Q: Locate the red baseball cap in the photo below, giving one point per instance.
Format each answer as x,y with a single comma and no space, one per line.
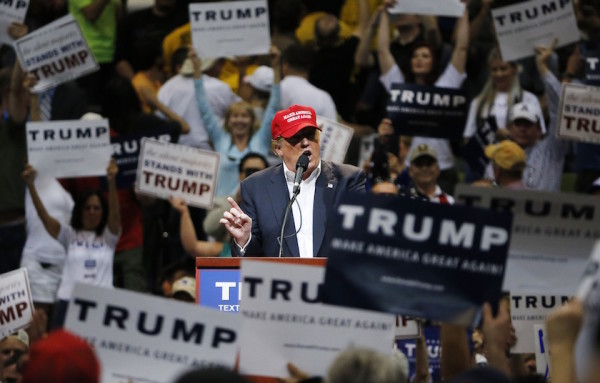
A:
290,121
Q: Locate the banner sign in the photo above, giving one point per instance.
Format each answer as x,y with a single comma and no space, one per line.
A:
404,256
126,151
453,8
73,148
523,26
283,320
528,310
592,66
407,328
579,113
232,28
11,11
56,53
166,169
552,234
219,289
142,338
434,351
16,304
419,110
335,139
588,292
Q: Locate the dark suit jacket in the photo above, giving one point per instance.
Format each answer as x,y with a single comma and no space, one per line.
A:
265,196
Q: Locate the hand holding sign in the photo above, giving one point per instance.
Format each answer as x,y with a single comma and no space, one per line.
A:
17,30
542,56
112,170
29,174
237,223
563,325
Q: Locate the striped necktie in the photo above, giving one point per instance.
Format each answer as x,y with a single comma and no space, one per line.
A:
46,104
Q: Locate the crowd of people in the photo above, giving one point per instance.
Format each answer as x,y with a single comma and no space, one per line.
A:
335,59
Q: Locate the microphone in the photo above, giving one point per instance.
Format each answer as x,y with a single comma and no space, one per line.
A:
301,167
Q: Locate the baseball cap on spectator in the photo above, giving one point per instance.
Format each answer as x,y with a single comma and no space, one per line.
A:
261,78
507,154
523,111
185,285
20,335
595,188
62,357
290,121
423,150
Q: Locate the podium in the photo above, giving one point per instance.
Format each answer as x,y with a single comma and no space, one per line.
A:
218,285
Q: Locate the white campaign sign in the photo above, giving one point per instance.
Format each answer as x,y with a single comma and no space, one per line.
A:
11,11
335,139
453,8
523,26
75,148
406,328
579,113
528,310
16,304
142,338
231,28
166,169
552,235
283,321
56,53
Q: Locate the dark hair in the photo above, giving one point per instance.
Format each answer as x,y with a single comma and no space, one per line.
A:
178,58
120,104
211,375
433,75
249,156
149,54
298,57
78,209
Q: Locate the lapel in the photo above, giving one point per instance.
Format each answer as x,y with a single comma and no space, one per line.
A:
279,197
325,189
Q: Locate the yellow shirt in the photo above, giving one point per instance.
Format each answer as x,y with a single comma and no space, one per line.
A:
139,81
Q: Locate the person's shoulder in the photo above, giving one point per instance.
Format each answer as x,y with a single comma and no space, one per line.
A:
259,178
344,170
215,83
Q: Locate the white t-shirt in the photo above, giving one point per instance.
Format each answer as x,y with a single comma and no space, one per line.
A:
40,246
449,79
499,110
296,90
179,94
89,259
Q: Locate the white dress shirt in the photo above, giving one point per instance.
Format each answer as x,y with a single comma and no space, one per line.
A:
302,209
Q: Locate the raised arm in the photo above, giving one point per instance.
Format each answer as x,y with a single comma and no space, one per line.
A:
18,96
264,132
362,56
50,223
187,233
151,99
562,327
454,337
386,59
211,122
422,360
114,210
461,46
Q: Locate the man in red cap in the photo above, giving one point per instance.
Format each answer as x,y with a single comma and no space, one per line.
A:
255,225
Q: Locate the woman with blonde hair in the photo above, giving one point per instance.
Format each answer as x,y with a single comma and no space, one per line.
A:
241,132
488,113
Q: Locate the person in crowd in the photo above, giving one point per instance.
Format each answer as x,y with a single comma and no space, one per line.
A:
184,289
184,267
365,365
545,152
255,226
384,188
43,256
296,63
333,59
90,240
178,94
12,347
98,22
488,113
508,163
422,71
249,164
424,172
141,33
239,134
62,357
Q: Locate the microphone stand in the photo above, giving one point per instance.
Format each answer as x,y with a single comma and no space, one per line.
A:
287,212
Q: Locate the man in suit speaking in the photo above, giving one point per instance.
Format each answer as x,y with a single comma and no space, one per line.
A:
313,186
